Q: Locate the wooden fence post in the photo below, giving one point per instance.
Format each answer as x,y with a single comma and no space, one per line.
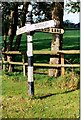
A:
9,65
3,65
55,59
24,67
62,63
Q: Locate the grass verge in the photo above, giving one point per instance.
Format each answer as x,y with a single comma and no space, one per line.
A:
54,97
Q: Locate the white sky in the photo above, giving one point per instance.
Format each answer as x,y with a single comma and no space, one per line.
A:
73,17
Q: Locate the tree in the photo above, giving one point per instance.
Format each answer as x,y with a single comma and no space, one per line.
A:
5,22
21,24
73,6
13,19
11,11
57,14
10,22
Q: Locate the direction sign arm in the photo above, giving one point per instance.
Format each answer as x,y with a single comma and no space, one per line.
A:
32,27
43,25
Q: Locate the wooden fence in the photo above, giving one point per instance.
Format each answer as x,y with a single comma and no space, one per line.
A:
43,65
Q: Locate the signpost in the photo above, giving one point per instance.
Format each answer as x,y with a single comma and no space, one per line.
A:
32,27
27,29
53,30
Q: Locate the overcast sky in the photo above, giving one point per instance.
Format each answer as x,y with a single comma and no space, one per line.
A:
73,17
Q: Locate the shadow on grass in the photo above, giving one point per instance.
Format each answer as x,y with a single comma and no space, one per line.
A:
51,94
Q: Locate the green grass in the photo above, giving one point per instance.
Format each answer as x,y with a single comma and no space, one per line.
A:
71,40
42,41
54,98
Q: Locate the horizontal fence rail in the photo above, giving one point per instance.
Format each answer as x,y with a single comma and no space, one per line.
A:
13,53
43,65
44,52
